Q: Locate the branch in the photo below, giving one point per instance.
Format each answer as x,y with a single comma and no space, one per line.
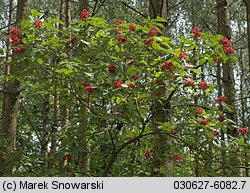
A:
100,6
125,4
177,4
207,26
93,13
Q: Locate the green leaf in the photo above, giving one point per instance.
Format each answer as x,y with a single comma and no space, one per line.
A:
241,140
210,60
55,20
65,71
202,61
196,71
156,46
40,61
160,19
35,13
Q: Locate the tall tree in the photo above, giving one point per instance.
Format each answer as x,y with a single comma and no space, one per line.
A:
161,108
224,28
247,4
11,98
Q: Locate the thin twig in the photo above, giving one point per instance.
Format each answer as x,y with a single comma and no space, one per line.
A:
125,4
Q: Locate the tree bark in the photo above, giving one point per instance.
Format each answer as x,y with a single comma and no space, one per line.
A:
83,4
11,98
247,4
84,155
224,28
160,109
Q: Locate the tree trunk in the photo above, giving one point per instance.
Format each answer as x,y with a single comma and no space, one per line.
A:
160,109
11,98
247,4
84,155
56,106
224,29
83,4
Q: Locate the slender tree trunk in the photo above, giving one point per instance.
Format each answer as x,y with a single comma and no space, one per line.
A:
161,109
11,98
56,106
83,4
224,28
45,132
84,156
247,4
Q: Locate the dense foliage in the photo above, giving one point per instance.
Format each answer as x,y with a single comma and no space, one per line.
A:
108,77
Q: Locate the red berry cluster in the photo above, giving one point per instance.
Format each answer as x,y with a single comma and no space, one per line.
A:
117,84
203,85
167,66
120,38
148,154
14,33
227,46
153,31
38,24
196,32
132,27
84,14
221,99
243,131
198,110
183,55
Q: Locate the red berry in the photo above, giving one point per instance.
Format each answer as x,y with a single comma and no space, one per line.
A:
135,77
148,42
148,154
189,82
221,118
183,55
228,50
38,24
118,22
89,88
203,85
198,110
132,27
19,50
243,131
215,132
120,38
225,42
167,66
204,122
131,84
196,32
153,31
84,14
118,84
221,99
111,68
